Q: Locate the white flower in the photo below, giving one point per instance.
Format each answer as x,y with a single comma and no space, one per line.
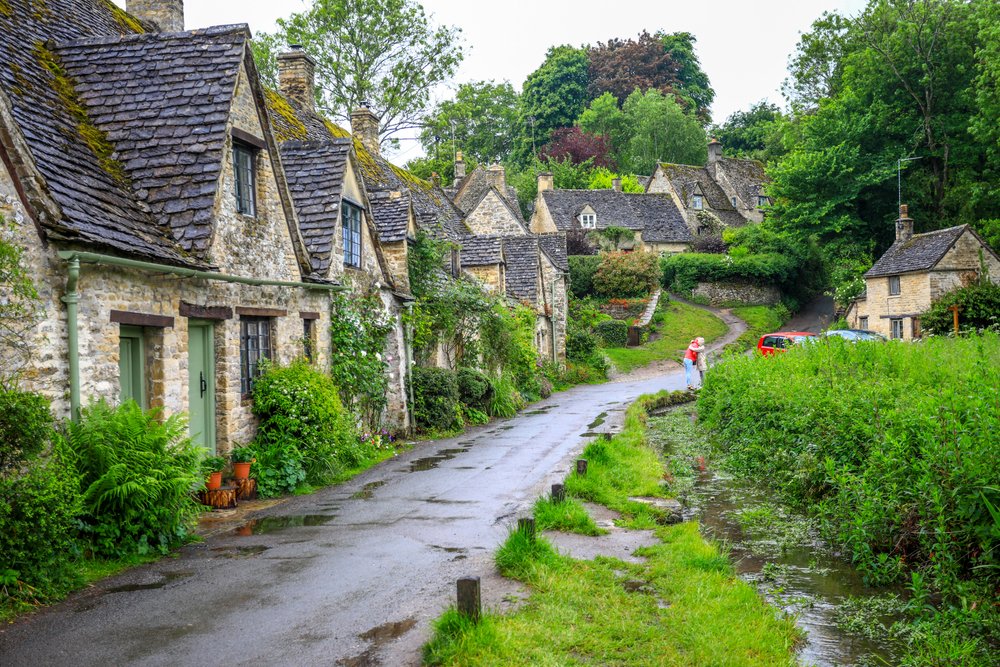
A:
364,353
378,356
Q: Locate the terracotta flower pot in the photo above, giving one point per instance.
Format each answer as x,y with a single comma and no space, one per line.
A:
241,470
214,481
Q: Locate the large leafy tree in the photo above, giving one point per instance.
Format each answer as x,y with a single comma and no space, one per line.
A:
694,87
816,67
660,131
385,53
481,119
755,133
578,146
619,66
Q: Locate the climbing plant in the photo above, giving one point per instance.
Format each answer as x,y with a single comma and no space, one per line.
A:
20,307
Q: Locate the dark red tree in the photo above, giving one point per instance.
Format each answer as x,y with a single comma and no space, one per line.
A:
619,66
579,146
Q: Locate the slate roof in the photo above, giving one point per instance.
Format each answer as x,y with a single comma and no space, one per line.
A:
554,246
747,177
481,250
921,253
473,188
315,172
655,215
392,216
520,255
686,179
86,176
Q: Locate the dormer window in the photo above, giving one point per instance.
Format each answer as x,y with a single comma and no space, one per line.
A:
244,166
351,225
697,202
588,220
733,200
761,201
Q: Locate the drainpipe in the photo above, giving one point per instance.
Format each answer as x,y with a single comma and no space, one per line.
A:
72,301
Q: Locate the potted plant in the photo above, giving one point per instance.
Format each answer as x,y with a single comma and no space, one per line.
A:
213,466
241,458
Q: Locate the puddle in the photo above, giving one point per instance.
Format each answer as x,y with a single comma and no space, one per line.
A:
167,578
367,492
539,411
273,524
240,552
443,501
431,462
379,637
589,434
450,550
598,421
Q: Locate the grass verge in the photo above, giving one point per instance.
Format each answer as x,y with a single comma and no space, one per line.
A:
760,320
682,606
680,323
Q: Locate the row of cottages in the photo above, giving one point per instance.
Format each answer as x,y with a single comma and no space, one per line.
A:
680,203
916,271
175,239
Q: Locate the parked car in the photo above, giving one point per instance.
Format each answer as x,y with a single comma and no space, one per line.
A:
781,340
854,334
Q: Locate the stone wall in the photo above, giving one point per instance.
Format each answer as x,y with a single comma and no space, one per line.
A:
491,276
395,255
493,216
554,298
881,308
742,293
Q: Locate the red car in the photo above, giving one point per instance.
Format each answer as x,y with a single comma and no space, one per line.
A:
779,341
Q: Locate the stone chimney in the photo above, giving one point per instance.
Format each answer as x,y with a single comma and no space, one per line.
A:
714,151
497,177
364,127
436,179
616,184
164,15
545,181
904,225
459,168
297,76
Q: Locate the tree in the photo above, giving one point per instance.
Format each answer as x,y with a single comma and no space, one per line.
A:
602,179
755,133
574,144
384,53
817,64
694,87
619,66
20,309
605,117
661,132
482,119
554,96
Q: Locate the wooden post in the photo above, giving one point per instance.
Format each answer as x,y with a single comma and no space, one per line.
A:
469,600
607,436
527,526
558,493
581,467
954,310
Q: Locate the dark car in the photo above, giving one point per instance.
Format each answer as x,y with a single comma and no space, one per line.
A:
854,335
781,340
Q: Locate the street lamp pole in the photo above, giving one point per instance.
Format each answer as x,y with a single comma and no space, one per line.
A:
899,178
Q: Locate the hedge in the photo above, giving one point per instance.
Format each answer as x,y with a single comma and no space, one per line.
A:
474,388
614,333
581,274
435,398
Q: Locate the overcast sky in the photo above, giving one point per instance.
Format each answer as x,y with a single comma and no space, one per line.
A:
743,46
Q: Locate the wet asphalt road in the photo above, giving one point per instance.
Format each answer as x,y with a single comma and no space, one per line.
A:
351,575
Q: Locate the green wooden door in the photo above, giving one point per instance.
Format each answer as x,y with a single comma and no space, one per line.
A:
201,388
131,365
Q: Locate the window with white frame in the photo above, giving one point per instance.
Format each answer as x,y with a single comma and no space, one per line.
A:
697,202
896,328
588,220
894,287
863,322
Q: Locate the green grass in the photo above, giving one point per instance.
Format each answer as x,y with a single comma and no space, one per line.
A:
682,606
760,320
569,516
681,323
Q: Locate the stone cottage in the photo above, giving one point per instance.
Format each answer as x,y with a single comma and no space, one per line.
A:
916,271
147,187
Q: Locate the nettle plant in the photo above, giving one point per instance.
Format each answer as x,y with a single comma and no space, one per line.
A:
359,362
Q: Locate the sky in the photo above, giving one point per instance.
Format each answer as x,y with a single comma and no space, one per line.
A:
743,46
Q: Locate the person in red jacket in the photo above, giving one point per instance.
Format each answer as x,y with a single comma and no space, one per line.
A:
690,359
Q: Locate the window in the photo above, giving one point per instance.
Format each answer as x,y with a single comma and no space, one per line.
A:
761,201
915,331
697,203
894,286
588,220
351,224
733,200
246,185
896,325
307,339
863,322
255,344
132,365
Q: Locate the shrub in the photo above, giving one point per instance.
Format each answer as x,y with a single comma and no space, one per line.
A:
435,398
25,426
300,405
614,333
280,468
709,245
505,399
473,388
580,344
581,274
627,274
137,471
979,308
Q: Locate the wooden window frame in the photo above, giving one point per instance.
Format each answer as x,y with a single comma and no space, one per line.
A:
893,322
254,346
863,322
895,286
588,220
136,364
698,202
245,177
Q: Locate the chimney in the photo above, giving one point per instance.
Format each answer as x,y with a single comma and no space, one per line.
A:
904,225
714,151
297,76
164,15
497,177
545,181
616,184
364,127
436,179
459,168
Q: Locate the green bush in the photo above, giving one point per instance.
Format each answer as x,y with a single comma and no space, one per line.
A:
25,426
979,308
581,274
299,405
435,398
137,472
627,274
279,469
613,333
581,345
473,388
39,509
505,399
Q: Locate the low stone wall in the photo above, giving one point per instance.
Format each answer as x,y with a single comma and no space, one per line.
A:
742,293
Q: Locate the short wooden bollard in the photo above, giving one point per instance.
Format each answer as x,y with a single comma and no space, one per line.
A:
558,493
527,526
469,599
607,436
581,467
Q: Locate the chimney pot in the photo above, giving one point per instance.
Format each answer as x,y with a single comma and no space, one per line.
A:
904,225
163,15
616,184
459,167
545,181
435,179
297,76
364,127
